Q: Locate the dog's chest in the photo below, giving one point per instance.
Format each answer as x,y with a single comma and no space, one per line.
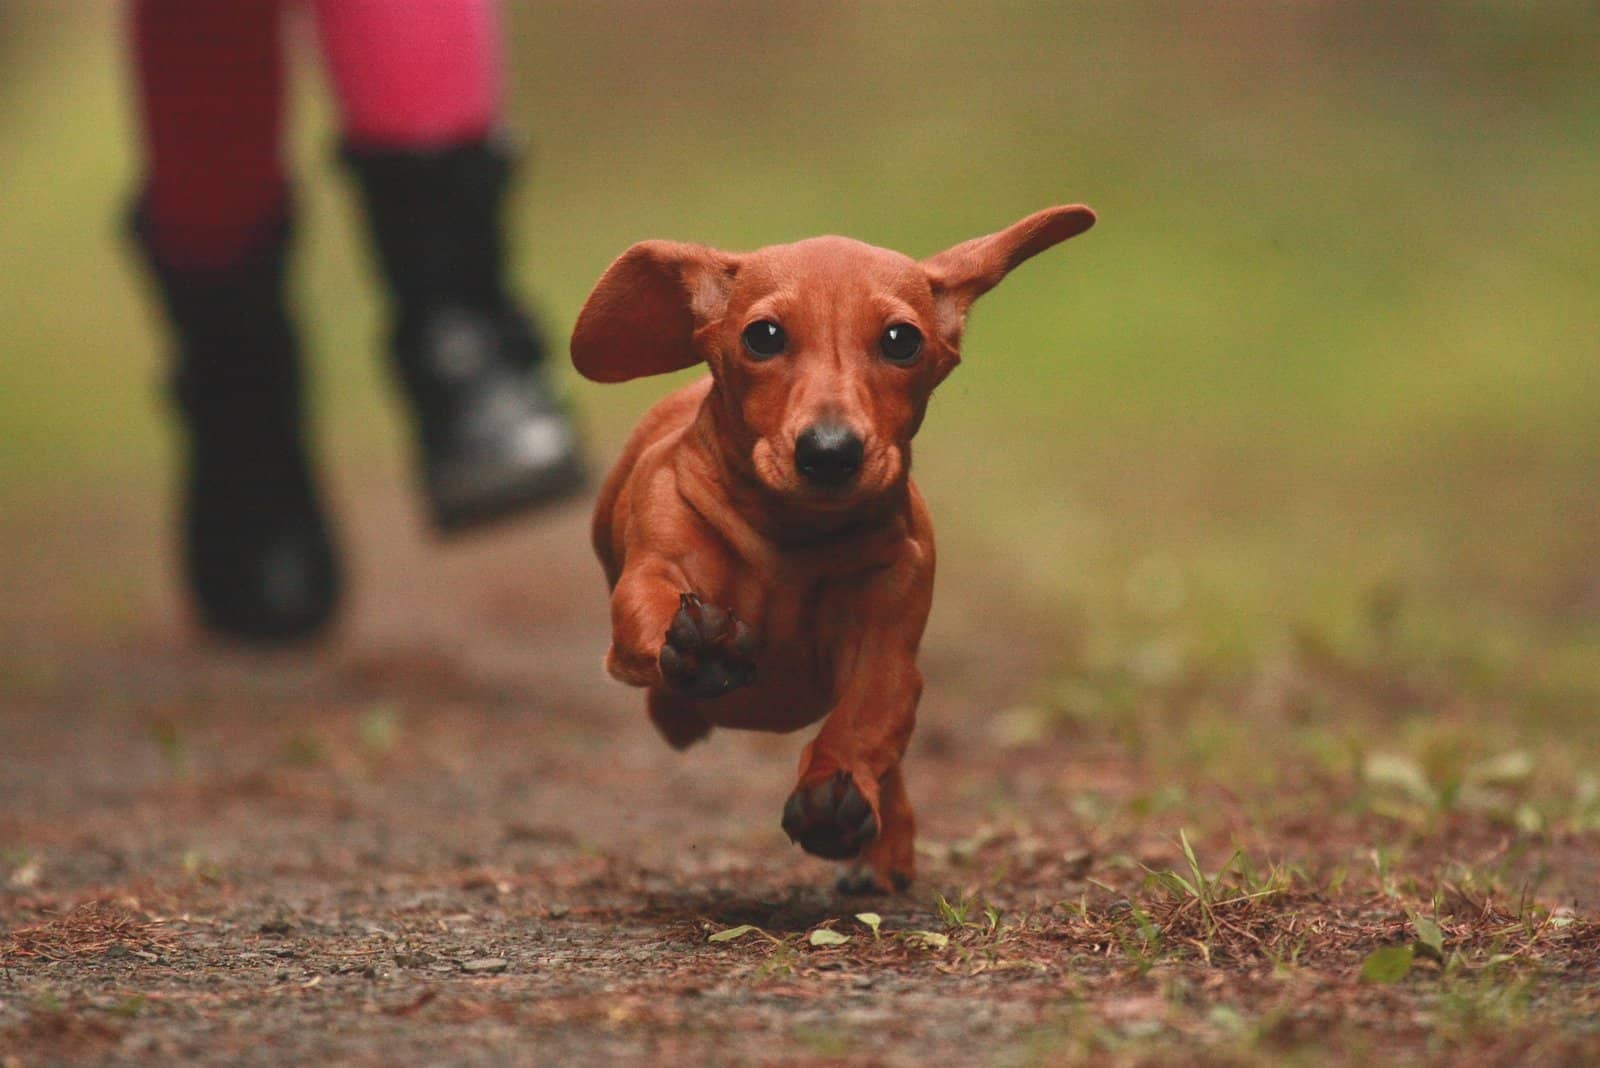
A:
806,621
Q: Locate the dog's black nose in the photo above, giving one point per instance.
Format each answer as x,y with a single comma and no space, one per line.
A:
828,454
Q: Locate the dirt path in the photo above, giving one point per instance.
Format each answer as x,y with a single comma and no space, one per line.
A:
448,838
310,850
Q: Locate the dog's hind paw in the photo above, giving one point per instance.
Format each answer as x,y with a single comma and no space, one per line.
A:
829,818
862,881
708,650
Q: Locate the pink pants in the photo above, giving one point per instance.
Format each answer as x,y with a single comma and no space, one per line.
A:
408,74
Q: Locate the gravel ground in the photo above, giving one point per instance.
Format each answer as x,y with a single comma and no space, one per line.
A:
446,837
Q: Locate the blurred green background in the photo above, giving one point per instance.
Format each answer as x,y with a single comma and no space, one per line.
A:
1335,344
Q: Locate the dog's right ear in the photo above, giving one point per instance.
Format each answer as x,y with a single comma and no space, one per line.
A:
642,315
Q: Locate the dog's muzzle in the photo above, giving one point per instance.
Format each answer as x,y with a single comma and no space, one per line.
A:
828,455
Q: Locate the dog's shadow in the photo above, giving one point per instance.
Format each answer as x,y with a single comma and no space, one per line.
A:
781,911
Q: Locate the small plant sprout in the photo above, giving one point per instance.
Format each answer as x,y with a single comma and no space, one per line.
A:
1430,939
954,915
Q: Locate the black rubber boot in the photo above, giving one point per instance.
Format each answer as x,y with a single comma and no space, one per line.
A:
492,438
257,551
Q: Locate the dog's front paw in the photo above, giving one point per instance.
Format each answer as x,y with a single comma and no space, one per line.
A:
830,817
708,650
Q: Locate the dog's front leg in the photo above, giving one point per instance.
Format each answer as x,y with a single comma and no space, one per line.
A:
663,635
850,800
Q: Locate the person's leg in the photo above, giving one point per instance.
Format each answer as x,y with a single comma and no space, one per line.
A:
209,79
419,86
212,223
413,75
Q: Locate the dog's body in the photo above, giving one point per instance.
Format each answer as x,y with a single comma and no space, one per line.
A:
798,592
771,563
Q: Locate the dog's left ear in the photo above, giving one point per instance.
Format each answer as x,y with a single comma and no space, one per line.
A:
642,315
962,274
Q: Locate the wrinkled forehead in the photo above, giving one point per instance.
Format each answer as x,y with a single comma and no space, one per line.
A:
829,271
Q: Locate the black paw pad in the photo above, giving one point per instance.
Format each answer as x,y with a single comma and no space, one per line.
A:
830,818
708,650
862,882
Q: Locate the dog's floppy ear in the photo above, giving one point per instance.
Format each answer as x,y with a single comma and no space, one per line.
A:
962,274
642,315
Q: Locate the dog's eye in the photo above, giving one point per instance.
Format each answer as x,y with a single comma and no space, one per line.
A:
765,339
901,344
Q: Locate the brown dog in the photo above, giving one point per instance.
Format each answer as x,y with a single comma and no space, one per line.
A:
770,561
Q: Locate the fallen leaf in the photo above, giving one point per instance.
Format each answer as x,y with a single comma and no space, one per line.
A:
931,939
1387,965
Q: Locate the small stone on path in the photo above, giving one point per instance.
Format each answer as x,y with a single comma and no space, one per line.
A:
485,965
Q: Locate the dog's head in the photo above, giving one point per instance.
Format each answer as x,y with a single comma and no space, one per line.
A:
824,352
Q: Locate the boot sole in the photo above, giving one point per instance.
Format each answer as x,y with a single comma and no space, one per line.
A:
461,503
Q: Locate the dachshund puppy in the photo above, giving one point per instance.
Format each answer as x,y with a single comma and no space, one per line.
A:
770,560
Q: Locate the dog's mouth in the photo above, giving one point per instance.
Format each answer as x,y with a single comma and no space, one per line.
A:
787,473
